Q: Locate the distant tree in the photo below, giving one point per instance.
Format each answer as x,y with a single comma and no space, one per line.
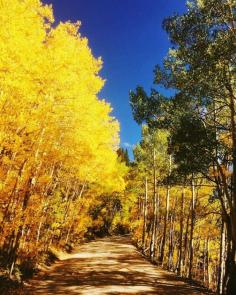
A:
123,156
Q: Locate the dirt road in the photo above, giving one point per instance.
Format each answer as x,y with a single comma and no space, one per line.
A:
108,266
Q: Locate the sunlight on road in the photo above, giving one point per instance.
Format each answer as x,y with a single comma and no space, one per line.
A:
114,290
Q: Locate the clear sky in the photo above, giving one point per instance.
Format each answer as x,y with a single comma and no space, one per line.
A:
128,35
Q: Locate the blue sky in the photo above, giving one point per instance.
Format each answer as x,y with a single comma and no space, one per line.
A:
128,35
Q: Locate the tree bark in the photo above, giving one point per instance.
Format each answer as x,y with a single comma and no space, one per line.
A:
191,230
153,237
145,215
163,242
179,267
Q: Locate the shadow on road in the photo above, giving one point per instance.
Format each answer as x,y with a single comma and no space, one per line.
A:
108,266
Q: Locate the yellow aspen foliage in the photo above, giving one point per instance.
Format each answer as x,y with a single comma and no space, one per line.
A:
58,140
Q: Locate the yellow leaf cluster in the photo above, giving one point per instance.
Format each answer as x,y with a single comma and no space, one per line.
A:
57,139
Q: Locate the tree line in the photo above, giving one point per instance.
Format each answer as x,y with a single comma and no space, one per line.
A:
58,140
184,174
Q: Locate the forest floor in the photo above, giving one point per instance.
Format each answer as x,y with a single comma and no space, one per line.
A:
107,266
